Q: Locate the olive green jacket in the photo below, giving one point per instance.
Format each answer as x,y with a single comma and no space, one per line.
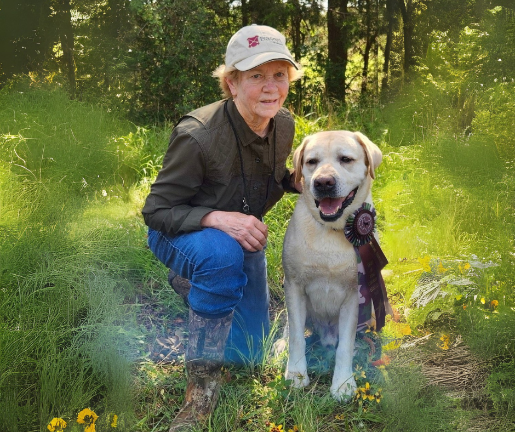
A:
202,169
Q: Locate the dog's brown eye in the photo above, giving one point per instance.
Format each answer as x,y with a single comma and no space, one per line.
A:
345,159
312,161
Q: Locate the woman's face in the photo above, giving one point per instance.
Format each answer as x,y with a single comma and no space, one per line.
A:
259,93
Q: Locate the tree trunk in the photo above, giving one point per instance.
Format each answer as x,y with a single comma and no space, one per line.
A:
337,49
406,7
67,42
244,13
390,13
368,46
297,41
376,46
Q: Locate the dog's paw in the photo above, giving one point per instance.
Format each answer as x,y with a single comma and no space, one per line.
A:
344,391
298,379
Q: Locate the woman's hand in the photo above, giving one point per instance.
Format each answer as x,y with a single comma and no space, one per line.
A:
247,230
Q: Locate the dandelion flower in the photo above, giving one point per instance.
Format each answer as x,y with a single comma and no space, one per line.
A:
57,424
494,303
114,423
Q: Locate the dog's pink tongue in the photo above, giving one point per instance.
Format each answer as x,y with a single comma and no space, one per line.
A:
329,206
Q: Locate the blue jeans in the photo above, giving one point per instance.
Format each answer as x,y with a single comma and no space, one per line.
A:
224,277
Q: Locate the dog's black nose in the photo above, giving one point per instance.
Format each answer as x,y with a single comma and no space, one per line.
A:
324,184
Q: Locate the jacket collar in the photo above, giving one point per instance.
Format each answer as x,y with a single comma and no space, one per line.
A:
246,134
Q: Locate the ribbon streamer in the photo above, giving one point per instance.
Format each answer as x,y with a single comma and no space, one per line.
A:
359,230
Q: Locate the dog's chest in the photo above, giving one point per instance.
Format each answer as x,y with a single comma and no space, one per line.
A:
325,262
331,274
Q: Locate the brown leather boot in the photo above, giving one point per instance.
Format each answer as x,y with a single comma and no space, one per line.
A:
204,360
180,285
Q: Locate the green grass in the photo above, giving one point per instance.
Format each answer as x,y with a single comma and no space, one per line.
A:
75,275
71,250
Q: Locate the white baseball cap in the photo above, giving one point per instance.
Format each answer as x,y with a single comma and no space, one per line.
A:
254,45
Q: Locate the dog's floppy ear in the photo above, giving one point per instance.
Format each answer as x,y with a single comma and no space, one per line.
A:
298,159
374,155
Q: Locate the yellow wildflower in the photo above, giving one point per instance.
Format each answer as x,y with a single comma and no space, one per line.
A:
405,329
445,342
365,393
114,423
361,392
360,373
377,395
425,263
57,424
295,429
483,301
392,345
275,428
441,268
464,267
494,303
86,416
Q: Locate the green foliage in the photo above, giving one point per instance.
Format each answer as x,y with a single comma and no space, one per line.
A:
410,405
73,260
27,32
501,387
179,46
104,53
71,247
495,117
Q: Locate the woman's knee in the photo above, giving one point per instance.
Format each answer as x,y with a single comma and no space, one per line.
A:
205,252
220,252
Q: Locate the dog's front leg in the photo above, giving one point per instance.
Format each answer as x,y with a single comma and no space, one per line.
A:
344,384
296,369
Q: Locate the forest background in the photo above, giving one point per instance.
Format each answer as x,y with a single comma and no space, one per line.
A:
89,92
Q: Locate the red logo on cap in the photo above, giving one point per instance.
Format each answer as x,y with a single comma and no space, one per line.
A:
253,41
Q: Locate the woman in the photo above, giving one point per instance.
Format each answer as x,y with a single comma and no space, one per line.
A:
224,169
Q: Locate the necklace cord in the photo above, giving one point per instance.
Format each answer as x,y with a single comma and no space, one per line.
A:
246,207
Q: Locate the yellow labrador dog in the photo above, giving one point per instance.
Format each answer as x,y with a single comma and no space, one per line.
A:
336,169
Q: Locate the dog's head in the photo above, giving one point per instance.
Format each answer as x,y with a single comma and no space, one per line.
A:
336,169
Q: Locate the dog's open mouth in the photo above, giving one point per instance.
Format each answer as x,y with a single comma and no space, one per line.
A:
332,208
